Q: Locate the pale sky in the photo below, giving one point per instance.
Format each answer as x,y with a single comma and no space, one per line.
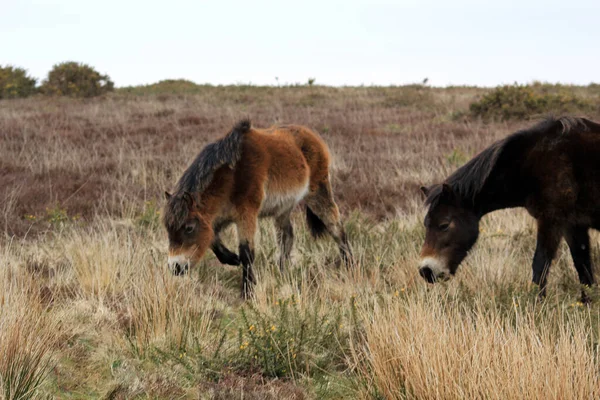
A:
463,42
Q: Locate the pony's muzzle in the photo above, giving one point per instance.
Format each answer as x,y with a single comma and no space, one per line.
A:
178,265
432,270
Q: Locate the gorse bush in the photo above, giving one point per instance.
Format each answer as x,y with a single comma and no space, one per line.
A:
76,80
291,341
15,83
523,102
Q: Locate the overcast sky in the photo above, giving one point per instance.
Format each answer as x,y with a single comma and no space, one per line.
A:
337,42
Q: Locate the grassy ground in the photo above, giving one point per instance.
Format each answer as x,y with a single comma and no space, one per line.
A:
89,310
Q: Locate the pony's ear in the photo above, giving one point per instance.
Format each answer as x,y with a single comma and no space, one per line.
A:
448,193
168,196
189,199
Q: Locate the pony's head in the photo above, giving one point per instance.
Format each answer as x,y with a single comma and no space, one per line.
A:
190,234
451,229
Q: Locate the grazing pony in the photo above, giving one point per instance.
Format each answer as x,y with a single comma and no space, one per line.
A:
250,174
552,170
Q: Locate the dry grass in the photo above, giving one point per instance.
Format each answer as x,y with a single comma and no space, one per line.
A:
435,349
88,307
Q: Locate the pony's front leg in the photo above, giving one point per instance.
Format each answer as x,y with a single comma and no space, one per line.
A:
548,239
224,255
246,233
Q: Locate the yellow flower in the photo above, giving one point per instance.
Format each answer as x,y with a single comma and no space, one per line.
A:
273,328
396,293
251,328
294,355
403,289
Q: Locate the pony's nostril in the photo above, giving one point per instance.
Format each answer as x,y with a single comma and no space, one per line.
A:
427,274
177,269
180,269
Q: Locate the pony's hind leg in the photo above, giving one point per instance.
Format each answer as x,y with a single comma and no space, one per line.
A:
246,233
578,240
323,216
549,235
285,237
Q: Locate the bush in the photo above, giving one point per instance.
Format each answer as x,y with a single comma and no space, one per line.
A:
76,80
523,102
15,83
291,341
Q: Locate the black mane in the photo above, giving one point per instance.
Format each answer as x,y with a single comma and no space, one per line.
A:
468,181
197,177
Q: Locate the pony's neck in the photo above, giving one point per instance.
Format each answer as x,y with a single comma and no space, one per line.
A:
214,199
507,186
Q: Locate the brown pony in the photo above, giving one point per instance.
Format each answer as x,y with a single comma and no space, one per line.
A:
250,174
552,170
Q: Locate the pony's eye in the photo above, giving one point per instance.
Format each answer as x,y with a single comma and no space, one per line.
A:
189,229
444,226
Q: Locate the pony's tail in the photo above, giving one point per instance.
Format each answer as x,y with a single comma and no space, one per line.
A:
315,224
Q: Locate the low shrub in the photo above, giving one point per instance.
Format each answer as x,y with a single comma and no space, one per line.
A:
524,102
164,87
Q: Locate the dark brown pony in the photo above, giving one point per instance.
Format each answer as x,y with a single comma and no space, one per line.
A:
249,174
552,169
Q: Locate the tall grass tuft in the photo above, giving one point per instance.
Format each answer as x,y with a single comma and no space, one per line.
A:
23,365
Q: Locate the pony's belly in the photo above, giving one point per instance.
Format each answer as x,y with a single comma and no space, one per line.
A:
276,204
